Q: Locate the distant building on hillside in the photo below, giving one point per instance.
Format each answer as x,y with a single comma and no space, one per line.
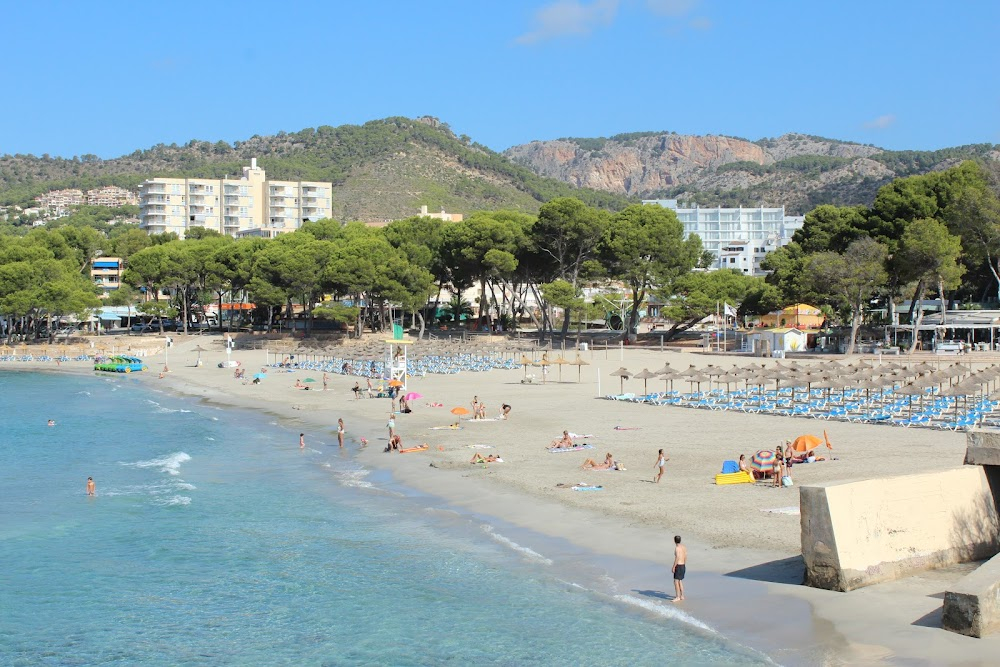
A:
56,203
447,217
739,238
111,196
231,205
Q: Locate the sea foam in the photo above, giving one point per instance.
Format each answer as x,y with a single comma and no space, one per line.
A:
169,464
511,544
664,610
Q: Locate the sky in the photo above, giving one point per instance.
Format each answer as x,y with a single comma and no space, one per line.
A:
108,78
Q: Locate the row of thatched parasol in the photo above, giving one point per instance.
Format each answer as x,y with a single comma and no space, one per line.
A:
558,361
861,375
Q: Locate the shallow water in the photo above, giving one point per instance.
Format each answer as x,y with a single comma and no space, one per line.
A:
214,540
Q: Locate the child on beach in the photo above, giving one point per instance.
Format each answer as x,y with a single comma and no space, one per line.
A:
661,463
391,424
504,411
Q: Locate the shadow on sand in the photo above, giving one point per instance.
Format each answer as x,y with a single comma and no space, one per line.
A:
784,571
654,594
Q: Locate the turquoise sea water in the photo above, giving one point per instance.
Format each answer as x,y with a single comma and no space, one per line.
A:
213,540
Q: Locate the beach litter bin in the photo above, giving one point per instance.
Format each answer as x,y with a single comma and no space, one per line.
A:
583,347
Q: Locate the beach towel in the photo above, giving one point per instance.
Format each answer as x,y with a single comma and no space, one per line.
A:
408,450
782,510
446,428
730,466
586,488
576,436
628,428
575,448
480,446
487,419
434,405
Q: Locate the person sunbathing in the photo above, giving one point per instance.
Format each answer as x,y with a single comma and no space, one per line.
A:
563,442
492,458
591,464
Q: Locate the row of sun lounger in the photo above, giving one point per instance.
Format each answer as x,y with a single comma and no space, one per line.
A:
881,407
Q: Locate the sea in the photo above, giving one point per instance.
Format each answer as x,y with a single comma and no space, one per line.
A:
214,540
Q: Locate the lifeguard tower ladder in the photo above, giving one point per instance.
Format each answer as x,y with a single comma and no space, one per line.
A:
395,356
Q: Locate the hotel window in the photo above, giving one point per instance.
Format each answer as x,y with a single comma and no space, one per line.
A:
175,189
243,211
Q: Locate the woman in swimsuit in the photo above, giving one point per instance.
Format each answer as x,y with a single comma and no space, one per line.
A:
340,432
591,464
661,463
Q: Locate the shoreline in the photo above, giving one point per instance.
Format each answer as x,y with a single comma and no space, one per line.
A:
737,573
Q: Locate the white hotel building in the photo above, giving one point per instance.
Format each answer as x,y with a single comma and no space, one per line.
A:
738,237
230,206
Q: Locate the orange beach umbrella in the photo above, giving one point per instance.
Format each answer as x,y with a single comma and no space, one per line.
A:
459,411
806,443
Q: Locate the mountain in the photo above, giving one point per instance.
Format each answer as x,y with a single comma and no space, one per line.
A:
794,170
382,170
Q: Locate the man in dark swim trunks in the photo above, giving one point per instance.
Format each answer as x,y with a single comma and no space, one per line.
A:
680,568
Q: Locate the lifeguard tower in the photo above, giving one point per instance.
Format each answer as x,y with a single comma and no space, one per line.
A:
395,356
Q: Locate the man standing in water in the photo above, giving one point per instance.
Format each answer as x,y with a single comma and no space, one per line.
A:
91,490
302,440
679,568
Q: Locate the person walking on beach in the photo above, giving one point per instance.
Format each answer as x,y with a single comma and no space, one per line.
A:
302,440
91,489
680,568
661,463
340,433
324,381
475,407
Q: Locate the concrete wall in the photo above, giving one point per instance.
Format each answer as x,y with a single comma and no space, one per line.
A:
855,534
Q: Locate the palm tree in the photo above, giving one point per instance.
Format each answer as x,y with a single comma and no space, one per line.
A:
458,307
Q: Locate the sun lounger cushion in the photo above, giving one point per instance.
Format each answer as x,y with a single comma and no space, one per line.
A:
730,466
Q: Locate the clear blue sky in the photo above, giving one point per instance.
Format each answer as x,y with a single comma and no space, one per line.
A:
110,77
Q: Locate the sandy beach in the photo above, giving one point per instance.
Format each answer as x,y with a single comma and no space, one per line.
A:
743,540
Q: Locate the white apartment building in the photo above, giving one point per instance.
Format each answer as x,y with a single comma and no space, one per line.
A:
111,196
230,205
739,238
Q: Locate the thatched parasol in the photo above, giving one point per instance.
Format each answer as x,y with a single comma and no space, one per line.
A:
579,363
525,361
559,361
622,374
644,375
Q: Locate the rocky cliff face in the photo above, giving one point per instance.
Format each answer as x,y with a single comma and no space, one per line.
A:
635,166
794,170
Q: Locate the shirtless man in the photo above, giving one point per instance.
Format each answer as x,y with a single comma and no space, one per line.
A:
302,440
91,490
562,443
680,568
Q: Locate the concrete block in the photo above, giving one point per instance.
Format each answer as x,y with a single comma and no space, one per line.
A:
972,606
855,534
982,448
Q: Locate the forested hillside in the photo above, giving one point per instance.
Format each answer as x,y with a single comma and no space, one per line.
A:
383,169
